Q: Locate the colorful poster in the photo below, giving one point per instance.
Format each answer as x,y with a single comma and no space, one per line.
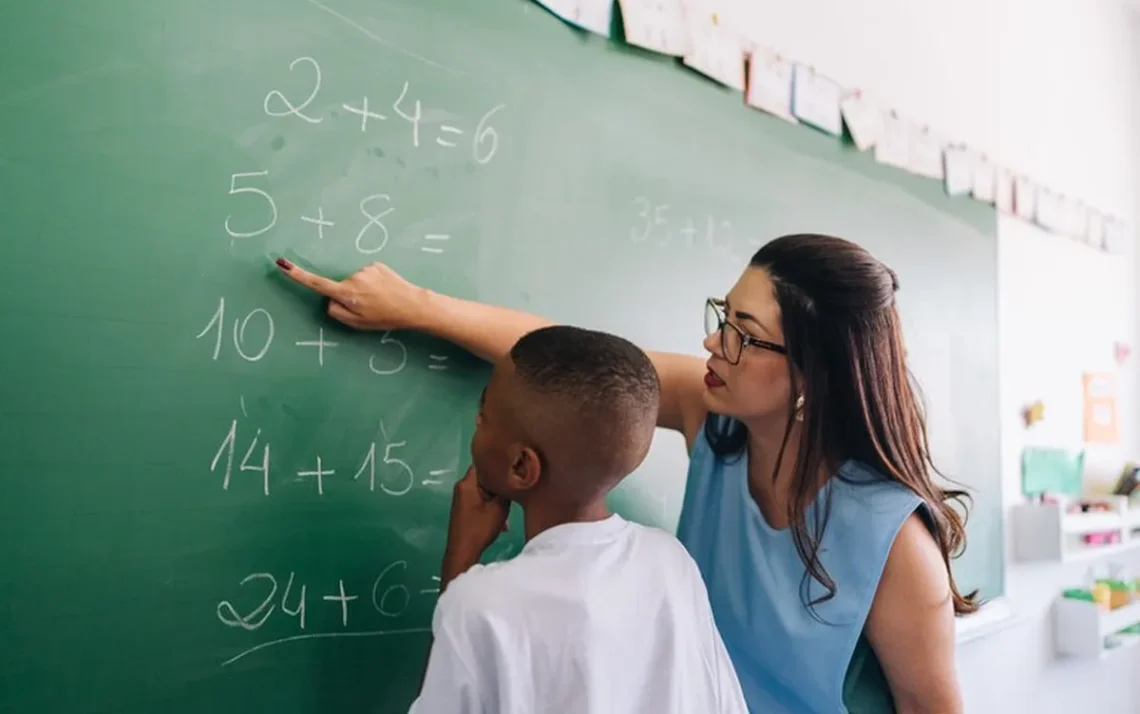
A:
1101,425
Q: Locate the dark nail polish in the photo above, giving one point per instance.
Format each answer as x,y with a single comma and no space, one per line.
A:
284,264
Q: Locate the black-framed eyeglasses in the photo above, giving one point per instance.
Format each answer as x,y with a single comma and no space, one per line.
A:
733,340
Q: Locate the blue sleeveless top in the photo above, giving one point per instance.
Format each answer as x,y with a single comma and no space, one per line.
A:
787,659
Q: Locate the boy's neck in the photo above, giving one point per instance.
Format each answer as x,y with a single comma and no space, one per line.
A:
540,517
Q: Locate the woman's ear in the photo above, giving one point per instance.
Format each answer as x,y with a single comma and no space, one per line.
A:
526,468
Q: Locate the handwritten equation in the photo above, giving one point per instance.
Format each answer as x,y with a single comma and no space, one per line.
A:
370,237
252,335
379,457
657,224
377,608
244,455
388,597
371,231
368,244
484,138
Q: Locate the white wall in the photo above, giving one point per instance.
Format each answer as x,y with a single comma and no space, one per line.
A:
1062,307
1050,88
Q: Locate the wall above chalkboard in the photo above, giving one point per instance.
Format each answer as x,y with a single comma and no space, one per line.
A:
709,36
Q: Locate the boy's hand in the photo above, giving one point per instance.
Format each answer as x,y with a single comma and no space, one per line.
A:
477,519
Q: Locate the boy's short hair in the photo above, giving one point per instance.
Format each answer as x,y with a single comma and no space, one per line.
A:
594,394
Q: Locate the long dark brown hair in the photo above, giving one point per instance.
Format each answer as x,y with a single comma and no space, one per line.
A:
847,358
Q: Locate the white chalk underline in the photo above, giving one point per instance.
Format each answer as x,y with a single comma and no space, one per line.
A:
324,636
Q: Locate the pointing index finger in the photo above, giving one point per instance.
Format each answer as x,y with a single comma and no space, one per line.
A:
317,283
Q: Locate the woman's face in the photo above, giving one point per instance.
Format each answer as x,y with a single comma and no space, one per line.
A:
757,387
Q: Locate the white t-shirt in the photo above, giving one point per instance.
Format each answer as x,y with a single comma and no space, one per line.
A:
590,618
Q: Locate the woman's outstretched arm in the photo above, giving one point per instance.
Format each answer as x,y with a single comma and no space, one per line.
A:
378,298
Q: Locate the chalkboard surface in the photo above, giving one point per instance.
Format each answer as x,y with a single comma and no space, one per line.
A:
215,500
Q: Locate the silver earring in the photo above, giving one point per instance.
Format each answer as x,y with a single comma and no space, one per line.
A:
800,408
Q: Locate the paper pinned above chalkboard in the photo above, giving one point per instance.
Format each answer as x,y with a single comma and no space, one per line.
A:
770,84
716,38
1050,210
1024,198
864,119
1075,220
1094,235
1003,190
815,100
715,50
926,157
657,25
959,170
593,15
1117,236
893,147
985,180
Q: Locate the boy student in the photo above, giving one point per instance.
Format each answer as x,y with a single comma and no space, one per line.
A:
596,614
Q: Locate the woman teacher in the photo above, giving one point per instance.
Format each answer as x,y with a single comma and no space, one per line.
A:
809,505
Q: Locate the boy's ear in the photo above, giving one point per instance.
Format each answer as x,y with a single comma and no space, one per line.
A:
526,467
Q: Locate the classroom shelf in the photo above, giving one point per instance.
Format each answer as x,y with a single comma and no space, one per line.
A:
1084,630
1045,532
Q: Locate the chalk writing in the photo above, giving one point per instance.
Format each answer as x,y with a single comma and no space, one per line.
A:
437,239
265,601
239,335
406,478
364,113
241,184
374,233
391,597
485,138
387,339
299,611
254,618
343,599
374,220
413,118
319,473
320,343
253,334
651,217
226,449
320,222
400,596
654,226
290,108
217,323
445,132
719,234
325,635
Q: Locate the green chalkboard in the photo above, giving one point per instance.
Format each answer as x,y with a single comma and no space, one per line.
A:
215,500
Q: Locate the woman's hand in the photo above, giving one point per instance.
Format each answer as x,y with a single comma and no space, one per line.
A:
377,298
373,298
